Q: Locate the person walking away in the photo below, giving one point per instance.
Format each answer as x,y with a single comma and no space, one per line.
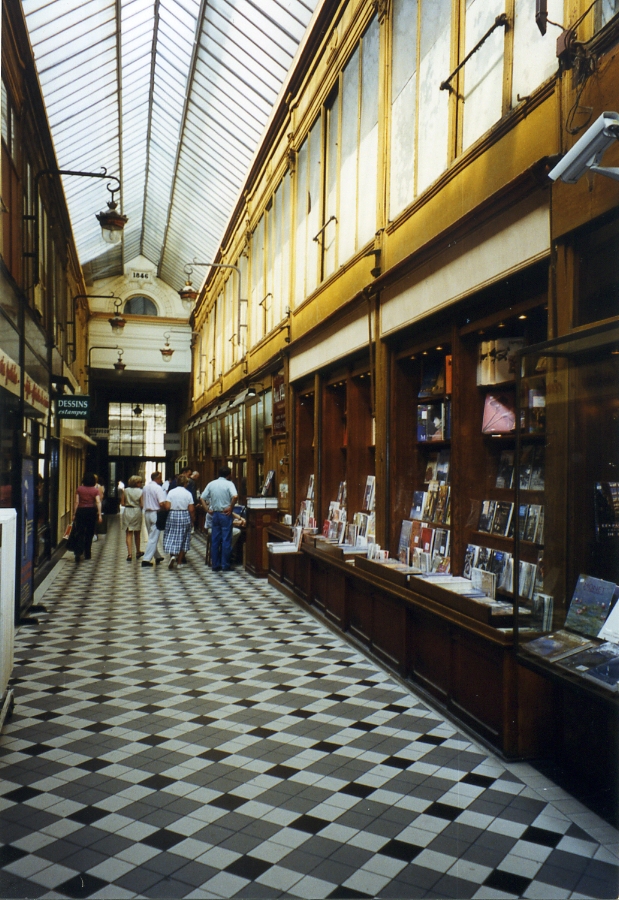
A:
86,514
132,520
152,498
101,488
177,535
218,498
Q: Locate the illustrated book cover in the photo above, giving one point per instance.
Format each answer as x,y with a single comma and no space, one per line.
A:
590,605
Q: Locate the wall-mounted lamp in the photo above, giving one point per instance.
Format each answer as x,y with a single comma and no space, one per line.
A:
188,293
117,321
166,351
252,392
106,347
137,410
112,222
120,366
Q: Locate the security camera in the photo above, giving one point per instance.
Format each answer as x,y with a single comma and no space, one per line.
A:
588,151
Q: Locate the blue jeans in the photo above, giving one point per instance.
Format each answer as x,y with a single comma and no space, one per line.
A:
221,541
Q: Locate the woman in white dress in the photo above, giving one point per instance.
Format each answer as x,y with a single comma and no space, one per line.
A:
132,518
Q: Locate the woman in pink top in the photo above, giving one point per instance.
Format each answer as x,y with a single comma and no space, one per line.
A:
86,514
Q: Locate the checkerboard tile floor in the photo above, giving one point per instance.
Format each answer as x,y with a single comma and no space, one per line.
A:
191,734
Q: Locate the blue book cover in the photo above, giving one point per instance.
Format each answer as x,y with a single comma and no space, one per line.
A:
606,675
590,605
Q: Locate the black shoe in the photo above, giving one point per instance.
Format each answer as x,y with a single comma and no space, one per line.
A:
139,555
87,556
147,565
157,561
77,558
128,559
216,568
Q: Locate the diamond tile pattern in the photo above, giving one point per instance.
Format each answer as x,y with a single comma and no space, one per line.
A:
194,734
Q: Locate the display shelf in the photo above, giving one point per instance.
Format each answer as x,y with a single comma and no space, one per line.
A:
575,597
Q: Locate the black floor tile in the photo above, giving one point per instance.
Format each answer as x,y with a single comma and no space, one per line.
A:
162,839
81,885
507,882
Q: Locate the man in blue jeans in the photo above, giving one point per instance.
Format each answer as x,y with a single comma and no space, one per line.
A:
218,498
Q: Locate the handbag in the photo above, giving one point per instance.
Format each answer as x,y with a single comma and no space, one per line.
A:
162,518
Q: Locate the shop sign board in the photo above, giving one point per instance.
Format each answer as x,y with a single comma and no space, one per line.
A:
10,376
172,441
76,407
279,405
35,396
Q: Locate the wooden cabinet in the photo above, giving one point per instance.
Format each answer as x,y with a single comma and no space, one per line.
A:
467,666
256,554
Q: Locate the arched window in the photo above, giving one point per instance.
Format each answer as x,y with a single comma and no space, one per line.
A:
141,306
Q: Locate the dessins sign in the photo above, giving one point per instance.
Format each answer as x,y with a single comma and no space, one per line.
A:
72,407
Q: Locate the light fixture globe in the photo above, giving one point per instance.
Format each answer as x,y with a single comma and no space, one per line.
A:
188,295
117,321
166,351
137,410
112,222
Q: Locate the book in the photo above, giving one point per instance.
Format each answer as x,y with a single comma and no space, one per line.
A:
368,496
505,472
506,358
507,579
486,516
447,420
484,581
470,559
441,511
431,499
310,488
498,563
537,410
443,465
606,675
484,558
342,493
448,373
431,468
502,517
404,544
523,511
579,663
416,535
557,645
267,482
610,629
419,499
430,422
499,414
532,524
526,467
526,579
441,542
590,605
427,539
542,609
433,378
606,510
537,469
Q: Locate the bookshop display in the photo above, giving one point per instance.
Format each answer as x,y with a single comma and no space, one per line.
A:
568,398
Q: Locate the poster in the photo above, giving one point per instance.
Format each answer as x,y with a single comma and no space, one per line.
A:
279,405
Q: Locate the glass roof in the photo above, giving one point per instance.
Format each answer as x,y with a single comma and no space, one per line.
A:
170,95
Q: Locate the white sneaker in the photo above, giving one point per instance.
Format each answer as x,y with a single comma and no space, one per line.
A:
172,563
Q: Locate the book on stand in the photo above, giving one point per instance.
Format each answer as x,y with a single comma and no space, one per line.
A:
505,472
590,605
